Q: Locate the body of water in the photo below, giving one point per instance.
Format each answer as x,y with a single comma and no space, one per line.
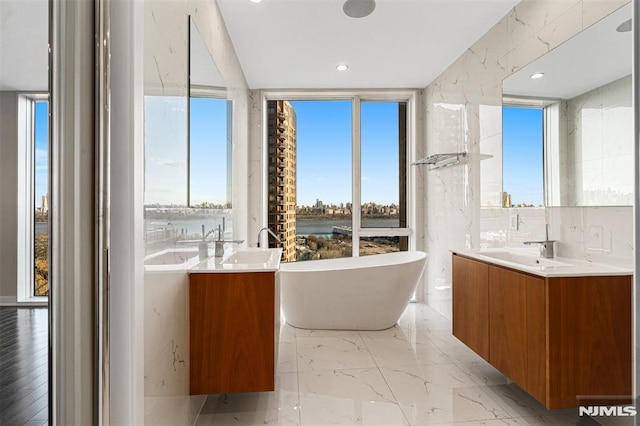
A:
190,226
41,228
324,228
321,228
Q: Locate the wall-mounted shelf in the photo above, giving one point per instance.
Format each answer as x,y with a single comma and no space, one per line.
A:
437,161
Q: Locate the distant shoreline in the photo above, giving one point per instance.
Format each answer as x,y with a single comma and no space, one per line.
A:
301,217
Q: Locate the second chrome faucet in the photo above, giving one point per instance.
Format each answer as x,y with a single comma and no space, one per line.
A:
546,246
270,233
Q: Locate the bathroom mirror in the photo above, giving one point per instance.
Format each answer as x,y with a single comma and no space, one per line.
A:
581,106
210,121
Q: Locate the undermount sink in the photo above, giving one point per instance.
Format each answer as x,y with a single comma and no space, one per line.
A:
523,259
248,256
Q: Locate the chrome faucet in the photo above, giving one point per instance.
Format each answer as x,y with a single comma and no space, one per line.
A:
218,244
546,246
270,232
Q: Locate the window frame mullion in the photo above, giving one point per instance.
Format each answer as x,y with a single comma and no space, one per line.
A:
356,174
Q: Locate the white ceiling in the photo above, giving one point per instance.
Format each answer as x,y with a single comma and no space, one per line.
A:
402,44
296,43
24,43
591,59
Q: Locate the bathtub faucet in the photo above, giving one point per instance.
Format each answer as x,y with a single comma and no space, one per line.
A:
270,232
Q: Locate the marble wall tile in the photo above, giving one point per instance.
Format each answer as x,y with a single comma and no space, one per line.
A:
256,179
527,52
165,49
563,27
600,143
594,10
530,16
166,314
460,116
490,49
166,331
567,227
606,235
491,170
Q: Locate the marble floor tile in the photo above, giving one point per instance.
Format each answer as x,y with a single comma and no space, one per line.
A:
287,357
430,396
331,353
287,333
484,374
420,317
280,407
552,420
303,332
172,410
415,373
396,332
400,351
518,403
348,397
457,351
445,377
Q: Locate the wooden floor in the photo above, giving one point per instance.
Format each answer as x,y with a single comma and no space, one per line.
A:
24,365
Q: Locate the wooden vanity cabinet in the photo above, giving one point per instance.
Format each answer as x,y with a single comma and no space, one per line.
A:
471,304
517,328
558,338
232,332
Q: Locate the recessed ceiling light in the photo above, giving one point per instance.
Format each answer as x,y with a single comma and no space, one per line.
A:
255,1
358,8
537,75
625,27
342,67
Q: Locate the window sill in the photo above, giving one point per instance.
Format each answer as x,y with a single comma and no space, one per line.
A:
34,301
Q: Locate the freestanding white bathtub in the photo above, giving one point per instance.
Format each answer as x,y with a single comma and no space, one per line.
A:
360,293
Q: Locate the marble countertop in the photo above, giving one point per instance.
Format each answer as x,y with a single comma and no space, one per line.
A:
241,260
525,261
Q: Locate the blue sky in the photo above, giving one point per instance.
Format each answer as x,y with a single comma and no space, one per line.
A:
324,152
522,157
41,156
208,146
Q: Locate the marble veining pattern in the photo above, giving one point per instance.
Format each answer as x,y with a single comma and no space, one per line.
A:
415,373
166,357
462,113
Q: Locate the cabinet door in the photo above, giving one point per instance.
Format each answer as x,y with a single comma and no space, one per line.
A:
590,340
517,328
471,304
231,332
